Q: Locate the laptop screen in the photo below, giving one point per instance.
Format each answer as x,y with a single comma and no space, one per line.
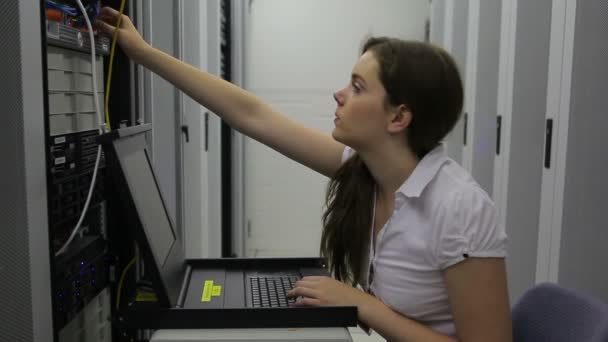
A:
146,215
137,171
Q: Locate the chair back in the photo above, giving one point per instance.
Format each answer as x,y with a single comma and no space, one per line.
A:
548,312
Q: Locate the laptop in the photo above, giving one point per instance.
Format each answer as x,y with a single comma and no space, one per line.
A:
227,293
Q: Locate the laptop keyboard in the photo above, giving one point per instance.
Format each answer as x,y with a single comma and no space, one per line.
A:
271,292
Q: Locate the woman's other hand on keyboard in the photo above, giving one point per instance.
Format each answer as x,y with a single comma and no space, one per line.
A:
326,291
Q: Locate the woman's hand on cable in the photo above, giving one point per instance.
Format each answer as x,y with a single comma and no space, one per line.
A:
325,291
128,38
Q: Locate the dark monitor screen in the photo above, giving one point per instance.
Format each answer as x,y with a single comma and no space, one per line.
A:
143,205
138,173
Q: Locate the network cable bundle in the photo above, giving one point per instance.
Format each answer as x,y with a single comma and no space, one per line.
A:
66,24
68,13
83,264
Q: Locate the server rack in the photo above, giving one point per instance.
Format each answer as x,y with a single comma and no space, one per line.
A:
83,276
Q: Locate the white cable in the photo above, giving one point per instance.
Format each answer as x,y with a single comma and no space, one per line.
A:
101,130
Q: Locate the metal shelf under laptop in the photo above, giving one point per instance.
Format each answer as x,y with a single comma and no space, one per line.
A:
147,315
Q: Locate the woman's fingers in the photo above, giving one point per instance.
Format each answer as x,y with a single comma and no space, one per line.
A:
302,291
110,16
105,27
306,296
305,287
307,282
307,302
109,12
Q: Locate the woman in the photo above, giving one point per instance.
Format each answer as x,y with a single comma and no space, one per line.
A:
403,221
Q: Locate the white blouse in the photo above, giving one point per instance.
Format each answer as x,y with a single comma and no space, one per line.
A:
441,217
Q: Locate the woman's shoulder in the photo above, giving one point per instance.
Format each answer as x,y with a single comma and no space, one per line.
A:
465,220
453,183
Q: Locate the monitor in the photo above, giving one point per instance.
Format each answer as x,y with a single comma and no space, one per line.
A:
131,168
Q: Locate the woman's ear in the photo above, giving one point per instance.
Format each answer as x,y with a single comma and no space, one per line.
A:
400,119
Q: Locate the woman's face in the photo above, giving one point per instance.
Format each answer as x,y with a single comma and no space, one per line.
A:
361,116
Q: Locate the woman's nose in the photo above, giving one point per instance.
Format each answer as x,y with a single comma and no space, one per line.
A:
339,97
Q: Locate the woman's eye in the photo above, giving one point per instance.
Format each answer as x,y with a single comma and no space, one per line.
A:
356,87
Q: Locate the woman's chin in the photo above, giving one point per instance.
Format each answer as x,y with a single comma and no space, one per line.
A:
336,135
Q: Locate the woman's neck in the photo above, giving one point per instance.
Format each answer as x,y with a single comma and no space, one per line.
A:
390,166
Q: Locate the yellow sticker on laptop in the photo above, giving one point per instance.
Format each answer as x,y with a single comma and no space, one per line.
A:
207,291
210,290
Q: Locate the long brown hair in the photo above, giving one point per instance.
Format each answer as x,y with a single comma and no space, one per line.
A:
426,80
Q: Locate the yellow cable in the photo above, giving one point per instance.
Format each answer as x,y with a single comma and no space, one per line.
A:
112,49
107,110
122,279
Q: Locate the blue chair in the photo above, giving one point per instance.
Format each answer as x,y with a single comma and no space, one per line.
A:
548,312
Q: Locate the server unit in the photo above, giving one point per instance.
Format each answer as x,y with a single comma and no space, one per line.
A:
453,17
572,225
81,270
49,156
521,106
